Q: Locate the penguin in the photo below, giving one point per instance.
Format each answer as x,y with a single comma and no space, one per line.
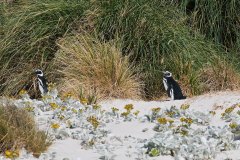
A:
42,82
172,87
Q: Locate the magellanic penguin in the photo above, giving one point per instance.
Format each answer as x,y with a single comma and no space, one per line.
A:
42,82
172,87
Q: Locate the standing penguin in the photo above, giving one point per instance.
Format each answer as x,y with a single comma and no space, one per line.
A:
42,82
172,87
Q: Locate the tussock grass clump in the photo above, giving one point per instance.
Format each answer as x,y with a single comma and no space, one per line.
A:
97,67
157,36
219,76
30,31
18,130
202,67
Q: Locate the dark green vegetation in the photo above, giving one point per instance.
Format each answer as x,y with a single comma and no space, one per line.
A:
218,21
17,130
160,38
30,35
199,41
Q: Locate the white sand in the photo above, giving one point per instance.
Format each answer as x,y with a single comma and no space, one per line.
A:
71,149
131,131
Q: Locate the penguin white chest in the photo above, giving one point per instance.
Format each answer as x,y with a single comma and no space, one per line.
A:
40,86
165,84
172,94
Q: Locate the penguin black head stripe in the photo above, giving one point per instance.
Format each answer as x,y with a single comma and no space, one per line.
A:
39,72
171,86
42,82
167,74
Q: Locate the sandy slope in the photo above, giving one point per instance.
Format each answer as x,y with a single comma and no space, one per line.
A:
130,132
219,101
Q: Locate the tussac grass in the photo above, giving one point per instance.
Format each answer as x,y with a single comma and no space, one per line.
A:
217,20
156,34
2,19
100,68
17,130
29,39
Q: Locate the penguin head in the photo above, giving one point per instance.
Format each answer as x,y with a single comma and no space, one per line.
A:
167,74
39,72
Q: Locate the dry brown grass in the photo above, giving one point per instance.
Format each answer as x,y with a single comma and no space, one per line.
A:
219,76
97,67
18,130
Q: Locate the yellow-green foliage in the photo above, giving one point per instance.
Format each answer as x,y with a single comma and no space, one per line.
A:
18,129
97,67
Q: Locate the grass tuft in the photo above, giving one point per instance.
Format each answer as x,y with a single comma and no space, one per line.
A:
90,65
219,76
18,130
